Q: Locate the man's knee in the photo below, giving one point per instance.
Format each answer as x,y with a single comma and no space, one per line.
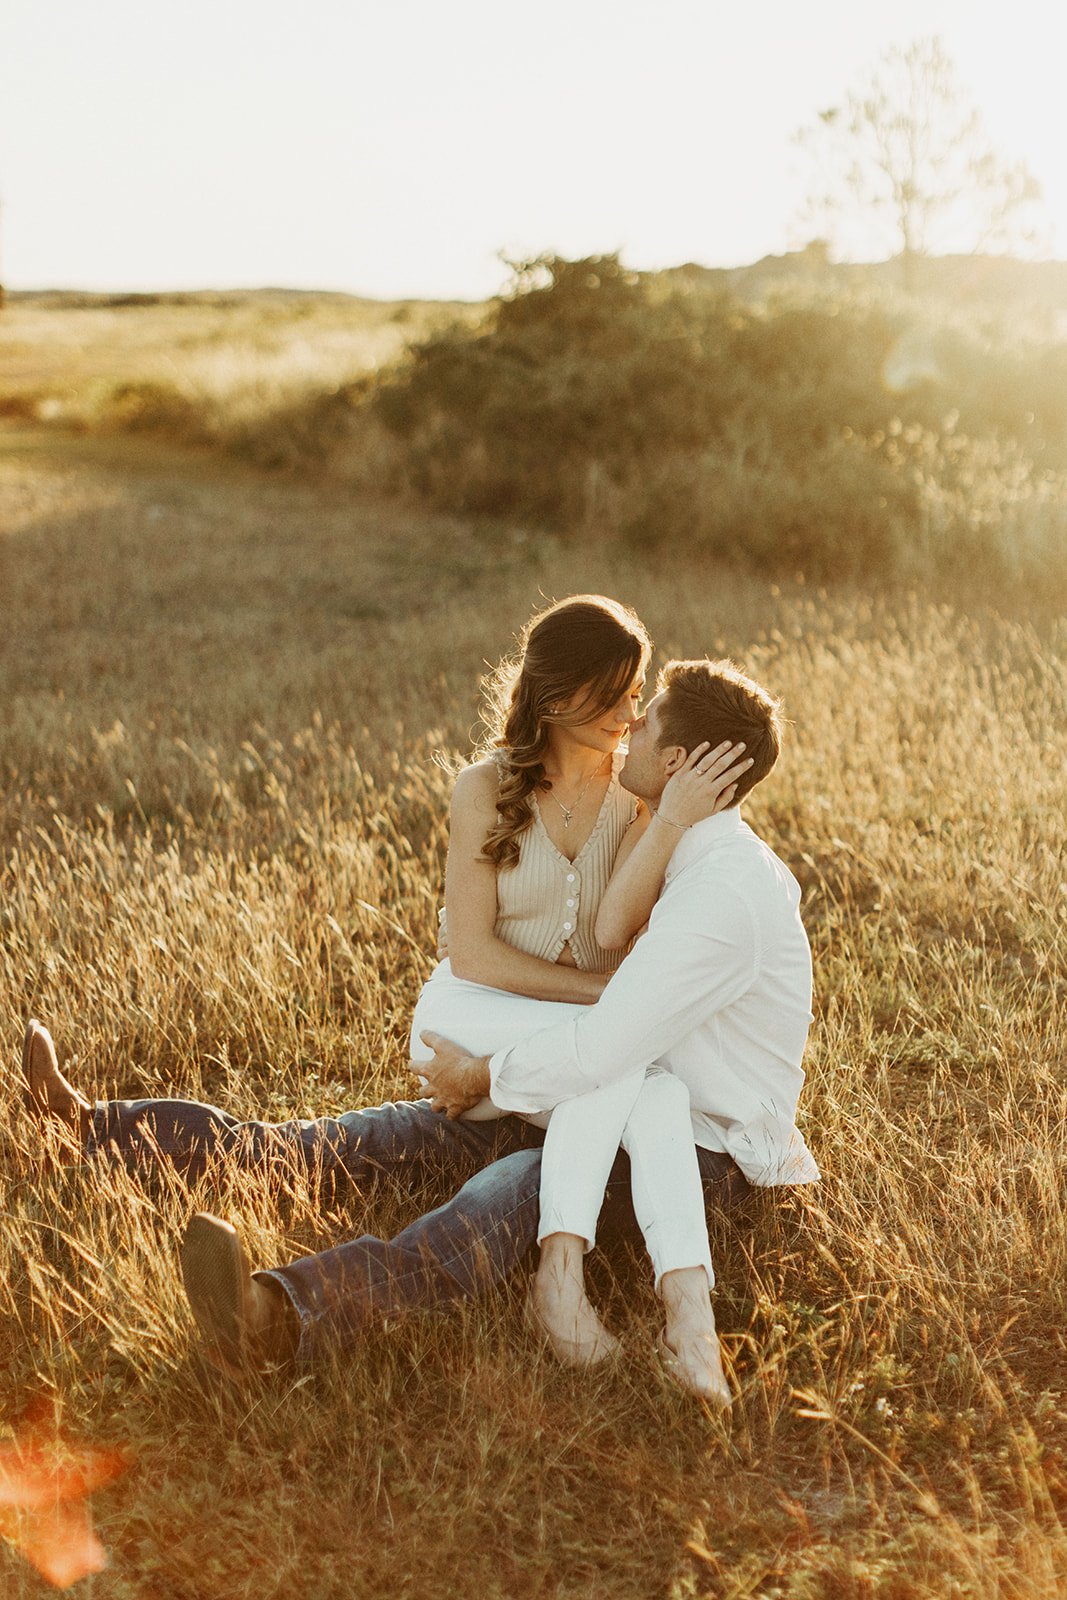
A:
507,1182
483,1232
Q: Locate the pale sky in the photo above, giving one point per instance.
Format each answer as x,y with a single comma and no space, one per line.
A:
394,147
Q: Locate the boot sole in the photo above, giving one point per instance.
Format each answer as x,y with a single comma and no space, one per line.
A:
217,1283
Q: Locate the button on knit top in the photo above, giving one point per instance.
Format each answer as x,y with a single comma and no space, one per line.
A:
546,901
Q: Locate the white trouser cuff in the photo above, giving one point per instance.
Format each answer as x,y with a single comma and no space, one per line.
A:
673,1244
555,1220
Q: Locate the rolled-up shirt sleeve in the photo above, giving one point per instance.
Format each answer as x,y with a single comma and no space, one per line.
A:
699,954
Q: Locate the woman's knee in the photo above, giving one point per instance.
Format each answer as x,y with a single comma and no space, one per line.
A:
663,1089
664,1099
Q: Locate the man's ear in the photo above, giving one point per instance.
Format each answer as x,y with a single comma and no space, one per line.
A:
674,757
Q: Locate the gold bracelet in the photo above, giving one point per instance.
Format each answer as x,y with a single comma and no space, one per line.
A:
683,827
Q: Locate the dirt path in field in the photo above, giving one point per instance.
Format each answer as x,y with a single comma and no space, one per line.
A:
42,469
109,502
45,473
162,588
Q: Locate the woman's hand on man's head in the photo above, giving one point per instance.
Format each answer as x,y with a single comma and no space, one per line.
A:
704,785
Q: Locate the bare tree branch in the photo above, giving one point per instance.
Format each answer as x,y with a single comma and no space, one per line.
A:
904,165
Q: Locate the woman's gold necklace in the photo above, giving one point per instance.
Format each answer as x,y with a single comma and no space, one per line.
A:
568,811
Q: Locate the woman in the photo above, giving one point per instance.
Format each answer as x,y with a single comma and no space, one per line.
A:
540,832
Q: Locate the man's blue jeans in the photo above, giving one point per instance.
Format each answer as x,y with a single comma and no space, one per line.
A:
452,1253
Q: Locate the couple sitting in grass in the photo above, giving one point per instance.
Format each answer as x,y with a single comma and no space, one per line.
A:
557,1070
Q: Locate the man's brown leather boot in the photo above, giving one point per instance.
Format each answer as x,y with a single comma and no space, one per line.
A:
248,1326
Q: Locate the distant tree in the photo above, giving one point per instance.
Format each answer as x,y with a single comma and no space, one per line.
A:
904,163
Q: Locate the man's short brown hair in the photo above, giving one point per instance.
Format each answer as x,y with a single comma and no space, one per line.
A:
714,700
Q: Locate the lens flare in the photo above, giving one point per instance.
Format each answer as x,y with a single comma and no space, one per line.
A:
45,1484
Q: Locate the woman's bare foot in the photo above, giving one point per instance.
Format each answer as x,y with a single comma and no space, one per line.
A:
46,1092
559,1309
689,1347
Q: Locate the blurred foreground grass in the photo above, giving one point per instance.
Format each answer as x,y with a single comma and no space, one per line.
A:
223,832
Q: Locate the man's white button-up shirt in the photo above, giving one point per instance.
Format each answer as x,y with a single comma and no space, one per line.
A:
718,990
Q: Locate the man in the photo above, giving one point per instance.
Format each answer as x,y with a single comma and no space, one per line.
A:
718,990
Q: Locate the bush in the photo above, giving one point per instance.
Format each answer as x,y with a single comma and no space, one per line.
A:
832,437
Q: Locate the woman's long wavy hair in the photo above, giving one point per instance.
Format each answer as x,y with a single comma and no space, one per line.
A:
585,643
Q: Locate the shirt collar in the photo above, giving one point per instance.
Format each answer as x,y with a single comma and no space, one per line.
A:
704,836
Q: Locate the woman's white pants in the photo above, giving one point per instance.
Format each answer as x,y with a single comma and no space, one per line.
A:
646,1114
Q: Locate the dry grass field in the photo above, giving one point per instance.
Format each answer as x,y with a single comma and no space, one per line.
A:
222,827
231,371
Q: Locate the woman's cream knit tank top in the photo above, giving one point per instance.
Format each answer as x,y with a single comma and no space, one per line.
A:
546,901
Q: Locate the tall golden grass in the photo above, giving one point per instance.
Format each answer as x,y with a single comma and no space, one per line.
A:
223,836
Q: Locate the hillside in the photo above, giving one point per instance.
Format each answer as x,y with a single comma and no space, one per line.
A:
1035,290
794,415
